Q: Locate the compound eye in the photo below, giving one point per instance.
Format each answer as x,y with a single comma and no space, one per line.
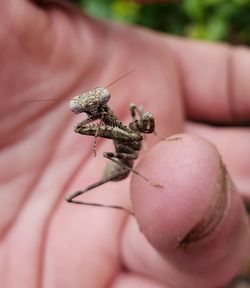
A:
75,106
104,95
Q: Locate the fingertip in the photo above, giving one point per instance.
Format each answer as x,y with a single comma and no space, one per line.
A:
185,166
196,209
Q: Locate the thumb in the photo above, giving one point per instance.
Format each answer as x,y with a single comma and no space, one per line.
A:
196,221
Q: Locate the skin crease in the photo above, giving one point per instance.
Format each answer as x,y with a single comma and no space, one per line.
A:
57,52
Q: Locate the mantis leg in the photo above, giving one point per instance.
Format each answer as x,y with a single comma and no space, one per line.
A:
115,156
71,198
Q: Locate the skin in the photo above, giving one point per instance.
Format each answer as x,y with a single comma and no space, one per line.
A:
57,52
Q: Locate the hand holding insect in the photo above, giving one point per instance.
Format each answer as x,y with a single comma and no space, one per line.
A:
52,51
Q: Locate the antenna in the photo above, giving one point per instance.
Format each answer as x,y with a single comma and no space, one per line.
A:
120,78
68,99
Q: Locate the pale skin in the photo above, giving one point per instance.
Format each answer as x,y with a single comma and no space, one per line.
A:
47,242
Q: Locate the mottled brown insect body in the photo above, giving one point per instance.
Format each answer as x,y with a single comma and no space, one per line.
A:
127,139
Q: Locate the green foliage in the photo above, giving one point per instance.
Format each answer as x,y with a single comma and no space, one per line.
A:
125,11
213,20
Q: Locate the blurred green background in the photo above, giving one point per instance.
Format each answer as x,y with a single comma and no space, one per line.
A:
212,20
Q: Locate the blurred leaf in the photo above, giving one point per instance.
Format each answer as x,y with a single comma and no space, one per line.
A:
217,29
197,31
214,3
98,8
126,11
240,2
194,9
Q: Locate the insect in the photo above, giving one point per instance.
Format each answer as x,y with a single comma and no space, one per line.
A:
127,140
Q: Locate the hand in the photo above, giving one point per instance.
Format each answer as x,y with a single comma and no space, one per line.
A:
56,52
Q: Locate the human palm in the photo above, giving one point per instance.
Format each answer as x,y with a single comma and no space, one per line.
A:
56,53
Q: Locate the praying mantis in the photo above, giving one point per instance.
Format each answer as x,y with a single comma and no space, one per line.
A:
127,140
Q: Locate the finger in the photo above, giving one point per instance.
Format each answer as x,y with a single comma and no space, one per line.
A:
215,80
196,224
233,144
25,21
